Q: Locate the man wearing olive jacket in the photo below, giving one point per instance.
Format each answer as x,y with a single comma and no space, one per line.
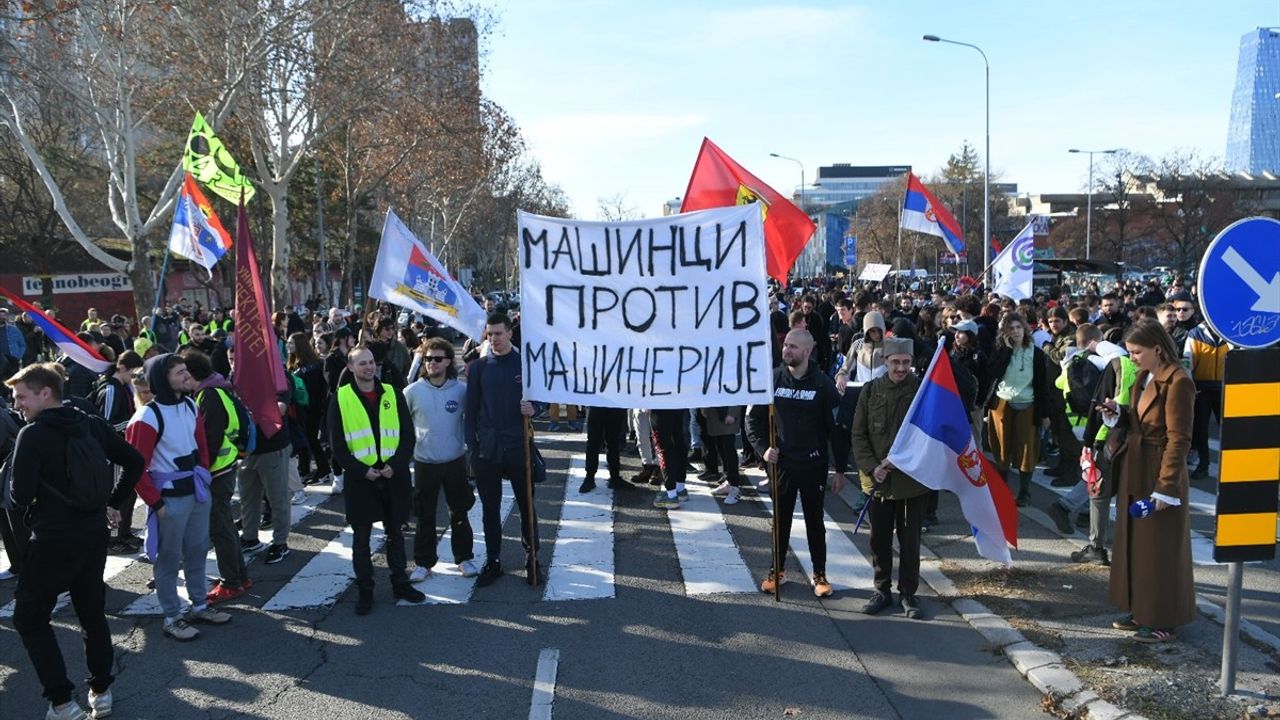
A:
370,428
897,502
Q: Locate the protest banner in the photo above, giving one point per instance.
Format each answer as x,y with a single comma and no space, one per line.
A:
665,313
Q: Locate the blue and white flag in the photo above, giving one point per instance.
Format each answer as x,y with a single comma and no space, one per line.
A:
408,275
1014,266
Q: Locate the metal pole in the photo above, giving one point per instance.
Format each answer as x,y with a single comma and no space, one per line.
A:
1231,628
1088,221
774,497
986,177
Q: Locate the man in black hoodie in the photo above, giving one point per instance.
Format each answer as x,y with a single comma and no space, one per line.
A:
68,547
805,401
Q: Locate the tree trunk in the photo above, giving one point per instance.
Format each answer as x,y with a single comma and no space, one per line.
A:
144,291
349,257
280,250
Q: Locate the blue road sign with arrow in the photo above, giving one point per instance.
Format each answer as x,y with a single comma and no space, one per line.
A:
1240,283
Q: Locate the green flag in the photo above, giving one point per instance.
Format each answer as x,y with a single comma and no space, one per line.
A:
209,162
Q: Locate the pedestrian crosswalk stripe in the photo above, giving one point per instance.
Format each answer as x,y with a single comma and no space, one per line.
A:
847,567
325,576
709,559
149,604
582,560
446,585
117,564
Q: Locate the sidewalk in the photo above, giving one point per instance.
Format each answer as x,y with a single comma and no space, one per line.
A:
1052,619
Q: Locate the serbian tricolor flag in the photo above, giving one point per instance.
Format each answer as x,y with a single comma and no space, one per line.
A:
72,346
196,233
718,181
922,212
935,446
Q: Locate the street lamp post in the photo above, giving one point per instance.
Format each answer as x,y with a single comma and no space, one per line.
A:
1088,222
986,179
784,157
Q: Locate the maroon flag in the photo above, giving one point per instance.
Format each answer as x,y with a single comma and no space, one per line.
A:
259,372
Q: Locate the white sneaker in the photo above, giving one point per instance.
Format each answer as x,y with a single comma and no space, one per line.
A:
70,711
733,496
722,489
299,497
469,568
99,705
419,574
763,485
338,482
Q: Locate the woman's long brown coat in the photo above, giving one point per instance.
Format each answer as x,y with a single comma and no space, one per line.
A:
1151,574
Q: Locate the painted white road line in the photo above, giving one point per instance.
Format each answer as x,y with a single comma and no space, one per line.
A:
582,562
709,559
544,684
847,567
446,585
117,564
149,604
325,576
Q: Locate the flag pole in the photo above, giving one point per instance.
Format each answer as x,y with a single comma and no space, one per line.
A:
164,275
532,568
773,497
897,278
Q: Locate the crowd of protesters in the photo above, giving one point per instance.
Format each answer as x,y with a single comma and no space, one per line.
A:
382,408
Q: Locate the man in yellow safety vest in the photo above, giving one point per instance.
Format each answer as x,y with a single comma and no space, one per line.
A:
366,422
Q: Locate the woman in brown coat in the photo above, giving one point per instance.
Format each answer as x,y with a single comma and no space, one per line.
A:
1151,574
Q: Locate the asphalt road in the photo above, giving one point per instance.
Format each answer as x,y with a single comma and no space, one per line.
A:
651,650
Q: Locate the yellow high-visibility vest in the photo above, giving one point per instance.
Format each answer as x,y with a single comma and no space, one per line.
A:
358,430
227,452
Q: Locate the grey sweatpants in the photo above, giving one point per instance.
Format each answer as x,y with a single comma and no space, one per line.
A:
265,473
184,542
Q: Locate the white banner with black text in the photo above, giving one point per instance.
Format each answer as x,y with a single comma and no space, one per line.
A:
664,313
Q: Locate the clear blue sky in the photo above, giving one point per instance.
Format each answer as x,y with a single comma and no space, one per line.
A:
615,97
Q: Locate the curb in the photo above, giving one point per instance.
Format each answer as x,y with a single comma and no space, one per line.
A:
1042,668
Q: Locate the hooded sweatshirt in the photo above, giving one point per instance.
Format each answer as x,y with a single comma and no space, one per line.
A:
38,461
182,447
437,419
865,360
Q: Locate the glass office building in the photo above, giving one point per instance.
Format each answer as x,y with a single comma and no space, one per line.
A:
1253,137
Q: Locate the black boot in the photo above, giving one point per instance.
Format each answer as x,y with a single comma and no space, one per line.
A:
645,473
1024,489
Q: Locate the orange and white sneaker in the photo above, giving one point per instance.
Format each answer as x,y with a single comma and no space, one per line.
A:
821,587
772,581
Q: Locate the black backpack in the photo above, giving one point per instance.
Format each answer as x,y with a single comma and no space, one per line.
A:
1082,381
90,475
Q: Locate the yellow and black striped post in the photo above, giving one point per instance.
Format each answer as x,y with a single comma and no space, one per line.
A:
1249,469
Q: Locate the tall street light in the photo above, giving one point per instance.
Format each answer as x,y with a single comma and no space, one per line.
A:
1088,222
986,180
802,207
784,157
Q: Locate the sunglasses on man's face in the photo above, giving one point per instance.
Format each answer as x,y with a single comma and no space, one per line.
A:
435,359
1183,309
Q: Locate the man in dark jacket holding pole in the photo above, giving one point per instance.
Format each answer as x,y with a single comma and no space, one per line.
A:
494,430
372,435
804,402
68,547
